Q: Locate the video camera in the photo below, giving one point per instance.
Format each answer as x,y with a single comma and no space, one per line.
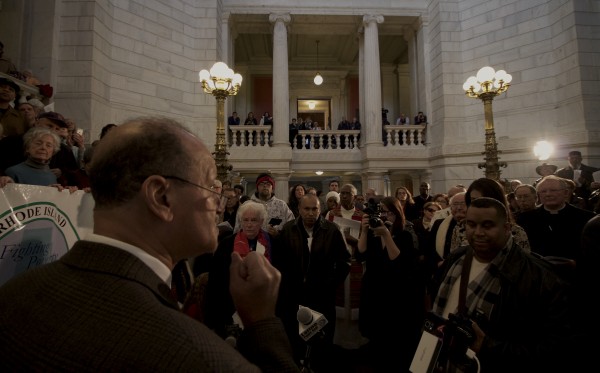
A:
374,212
446,342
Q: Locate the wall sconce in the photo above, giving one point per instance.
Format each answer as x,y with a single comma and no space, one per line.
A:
319,172
311,105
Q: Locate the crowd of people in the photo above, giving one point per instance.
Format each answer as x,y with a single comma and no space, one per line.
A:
185,272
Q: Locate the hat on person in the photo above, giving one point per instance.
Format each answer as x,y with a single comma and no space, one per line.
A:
36,103
265,177
10,83
539,168
55,117
333,194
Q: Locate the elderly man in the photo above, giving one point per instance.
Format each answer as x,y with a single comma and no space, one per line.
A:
554,228
526,197
154,206
518,308
312,257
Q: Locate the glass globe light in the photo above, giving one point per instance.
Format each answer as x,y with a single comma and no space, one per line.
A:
318,79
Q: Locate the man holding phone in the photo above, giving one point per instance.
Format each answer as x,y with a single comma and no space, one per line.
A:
278,212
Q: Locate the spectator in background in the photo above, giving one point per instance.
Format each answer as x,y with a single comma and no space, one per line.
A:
391,304
442,199
580,173
293,132
311,255
445,212
40,145
554,228
276,208
332,200
420,118
233,120
370,193
423,197
30,110
334,186
296,193
544,170
6,66
408,203
10,118
251,237
526,197
402,120
239,190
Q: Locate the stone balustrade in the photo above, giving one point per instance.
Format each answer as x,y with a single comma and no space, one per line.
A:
307,140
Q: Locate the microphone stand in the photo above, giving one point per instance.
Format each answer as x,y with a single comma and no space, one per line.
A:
306,362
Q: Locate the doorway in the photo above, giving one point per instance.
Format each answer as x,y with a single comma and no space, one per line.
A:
318,109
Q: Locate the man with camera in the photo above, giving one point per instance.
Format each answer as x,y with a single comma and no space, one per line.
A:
507,309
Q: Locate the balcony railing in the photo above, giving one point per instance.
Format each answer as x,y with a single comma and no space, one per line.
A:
261,136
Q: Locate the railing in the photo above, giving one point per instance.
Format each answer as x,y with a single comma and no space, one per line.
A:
250,136
261,136
326,139
405,135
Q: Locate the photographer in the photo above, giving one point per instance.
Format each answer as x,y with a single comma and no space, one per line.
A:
518,302
391,304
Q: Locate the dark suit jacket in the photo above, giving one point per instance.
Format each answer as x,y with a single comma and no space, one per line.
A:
101,309
586,173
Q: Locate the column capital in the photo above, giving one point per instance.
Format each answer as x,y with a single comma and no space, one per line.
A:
368,18
225,17
283,17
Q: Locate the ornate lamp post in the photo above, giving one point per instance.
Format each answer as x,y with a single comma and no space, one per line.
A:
221,82
485,86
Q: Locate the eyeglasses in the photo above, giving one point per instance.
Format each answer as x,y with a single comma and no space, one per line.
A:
222,198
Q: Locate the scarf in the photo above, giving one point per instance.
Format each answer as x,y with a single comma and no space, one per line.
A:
483,291
263,244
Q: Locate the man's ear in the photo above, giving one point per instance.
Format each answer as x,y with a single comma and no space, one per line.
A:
155,191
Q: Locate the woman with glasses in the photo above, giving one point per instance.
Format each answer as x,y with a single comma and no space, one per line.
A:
391,301
410,209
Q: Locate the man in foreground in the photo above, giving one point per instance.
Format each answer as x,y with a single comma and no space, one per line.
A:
516,307
106,304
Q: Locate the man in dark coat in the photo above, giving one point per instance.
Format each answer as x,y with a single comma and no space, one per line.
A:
579,173
313,260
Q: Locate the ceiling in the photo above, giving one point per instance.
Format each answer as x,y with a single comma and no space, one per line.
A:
337,36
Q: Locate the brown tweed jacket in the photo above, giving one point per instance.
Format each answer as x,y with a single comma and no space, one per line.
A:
100,309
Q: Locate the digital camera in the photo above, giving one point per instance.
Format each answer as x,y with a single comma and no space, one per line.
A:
374,213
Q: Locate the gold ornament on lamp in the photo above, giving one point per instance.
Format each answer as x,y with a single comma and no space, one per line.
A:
485,86
221,82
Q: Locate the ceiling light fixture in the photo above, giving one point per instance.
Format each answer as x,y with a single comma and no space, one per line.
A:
311,105
318,78
319,172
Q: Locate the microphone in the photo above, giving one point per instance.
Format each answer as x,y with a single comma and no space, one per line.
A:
309,322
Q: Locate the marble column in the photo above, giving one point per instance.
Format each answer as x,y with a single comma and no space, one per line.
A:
375,180
282,184
281,93
361,83
413,63
372,81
